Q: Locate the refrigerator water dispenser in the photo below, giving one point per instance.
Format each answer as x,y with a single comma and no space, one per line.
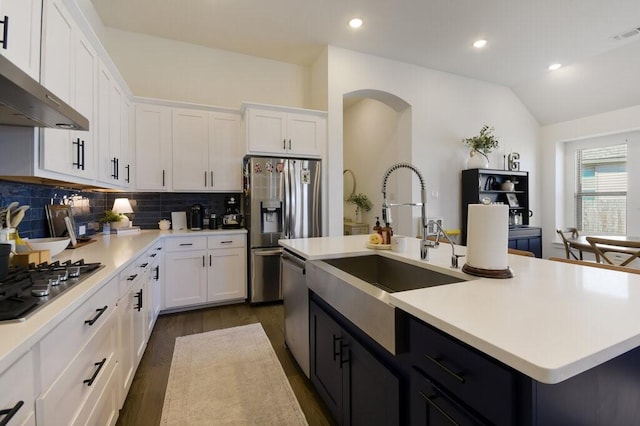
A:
271,216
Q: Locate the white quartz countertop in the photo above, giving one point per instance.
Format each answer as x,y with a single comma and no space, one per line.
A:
551,321
115,252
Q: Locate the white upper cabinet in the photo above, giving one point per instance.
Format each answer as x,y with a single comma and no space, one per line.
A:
207,153
64,151
283,131
153,147
20,22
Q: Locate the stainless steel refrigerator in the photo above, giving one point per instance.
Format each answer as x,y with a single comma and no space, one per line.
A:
282,200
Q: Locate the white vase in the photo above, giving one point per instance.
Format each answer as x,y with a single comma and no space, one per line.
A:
358,215
477,160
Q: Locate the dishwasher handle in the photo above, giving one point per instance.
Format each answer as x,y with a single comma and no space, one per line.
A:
275,252
295,260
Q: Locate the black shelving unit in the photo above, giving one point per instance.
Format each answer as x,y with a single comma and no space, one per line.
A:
478,184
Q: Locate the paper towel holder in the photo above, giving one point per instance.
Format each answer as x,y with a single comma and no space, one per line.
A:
488,273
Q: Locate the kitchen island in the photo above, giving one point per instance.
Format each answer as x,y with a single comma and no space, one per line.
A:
571,329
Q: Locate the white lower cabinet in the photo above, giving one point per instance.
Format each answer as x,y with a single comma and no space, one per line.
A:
202,270
17,406
77,361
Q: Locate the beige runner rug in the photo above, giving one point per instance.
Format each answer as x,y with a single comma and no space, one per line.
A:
229,377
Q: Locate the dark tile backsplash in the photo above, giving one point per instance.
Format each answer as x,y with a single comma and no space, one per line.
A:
148,207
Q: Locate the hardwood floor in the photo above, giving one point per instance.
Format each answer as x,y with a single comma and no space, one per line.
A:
143,405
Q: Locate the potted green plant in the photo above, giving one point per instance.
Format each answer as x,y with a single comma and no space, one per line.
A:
107,219
362,203
481,145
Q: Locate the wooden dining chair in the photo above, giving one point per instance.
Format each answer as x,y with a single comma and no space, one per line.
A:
569,251
521,252
604,247
596,265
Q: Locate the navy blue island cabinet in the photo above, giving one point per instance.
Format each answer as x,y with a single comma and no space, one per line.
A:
435,379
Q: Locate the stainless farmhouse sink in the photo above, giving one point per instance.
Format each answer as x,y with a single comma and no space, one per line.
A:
358,287
391,275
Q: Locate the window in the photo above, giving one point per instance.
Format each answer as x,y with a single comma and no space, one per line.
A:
601,189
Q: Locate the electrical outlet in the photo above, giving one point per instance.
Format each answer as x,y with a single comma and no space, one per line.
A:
82,229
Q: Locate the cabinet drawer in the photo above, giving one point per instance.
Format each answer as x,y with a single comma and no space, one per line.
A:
480,382
63,342
186,243
226,241
20,380
77,389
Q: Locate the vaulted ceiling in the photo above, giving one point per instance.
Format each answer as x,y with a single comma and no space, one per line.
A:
601,72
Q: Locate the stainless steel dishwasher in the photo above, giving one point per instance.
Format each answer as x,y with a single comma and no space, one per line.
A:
296,308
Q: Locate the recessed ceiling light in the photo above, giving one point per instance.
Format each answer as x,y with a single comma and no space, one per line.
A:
355,23
479,43
554,67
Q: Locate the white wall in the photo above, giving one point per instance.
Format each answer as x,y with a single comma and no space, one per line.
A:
552,170
445,108
370,132
166,69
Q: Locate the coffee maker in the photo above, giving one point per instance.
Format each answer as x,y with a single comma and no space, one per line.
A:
196,217
232,218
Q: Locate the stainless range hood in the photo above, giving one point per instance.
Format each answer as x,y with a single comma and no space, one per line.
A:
25,102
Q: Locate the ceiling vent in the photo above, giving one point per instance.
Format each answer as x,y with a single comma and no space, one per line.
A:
627,34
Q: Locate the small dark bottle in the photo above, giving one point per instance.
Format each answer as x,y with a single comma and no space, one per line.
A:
377,228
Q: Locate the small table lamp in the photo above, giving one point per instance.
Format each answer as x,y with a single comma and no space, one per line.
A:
122,206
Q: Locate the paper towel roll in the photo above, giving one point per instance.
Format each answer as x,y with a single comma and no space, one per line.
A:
488,236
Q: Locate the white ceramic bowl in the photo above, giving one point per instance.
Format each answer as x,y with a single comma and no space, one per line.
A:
54,245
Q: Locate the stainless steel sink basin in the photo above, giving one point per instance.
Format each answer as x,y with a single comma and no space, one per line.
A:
391,275
358,287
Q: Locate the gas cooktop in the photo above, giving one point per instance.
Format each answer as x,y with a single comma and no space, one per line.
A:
25,290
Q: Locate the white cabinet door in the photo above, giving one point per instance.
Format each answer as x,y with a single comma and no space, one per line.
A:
227,274
153,147
190,149
125,142
225,152
306,134
266,131
57,47
18,385
186,278
283,132
126,352
110,101
22,28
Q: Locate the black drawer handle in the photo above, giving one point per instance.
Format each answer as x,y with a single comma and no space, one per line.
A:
336,352
185,244
132,277
5,34
138,296
144,265
226,242
430,400
152,255
438,361
94,319
100,364
10,412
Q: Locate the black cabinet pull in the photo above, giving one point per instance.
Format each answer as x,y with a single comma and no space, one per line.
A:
226,242
77,163
438,361
284,144
117,169
94,319
336,352
114,162
210,260
82,162
152,255
162,177
5,34
10,412
100,364
144,265
132,277
156,276
289,143
128,167
205,178
430,400
138,296
186,244
203,265
343,359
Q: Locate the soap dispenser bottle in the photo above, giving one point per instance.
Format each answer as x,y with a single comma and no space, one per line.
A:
377,228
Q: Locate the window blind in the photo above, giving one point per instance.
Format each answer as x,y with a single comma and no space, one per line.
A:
601,189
